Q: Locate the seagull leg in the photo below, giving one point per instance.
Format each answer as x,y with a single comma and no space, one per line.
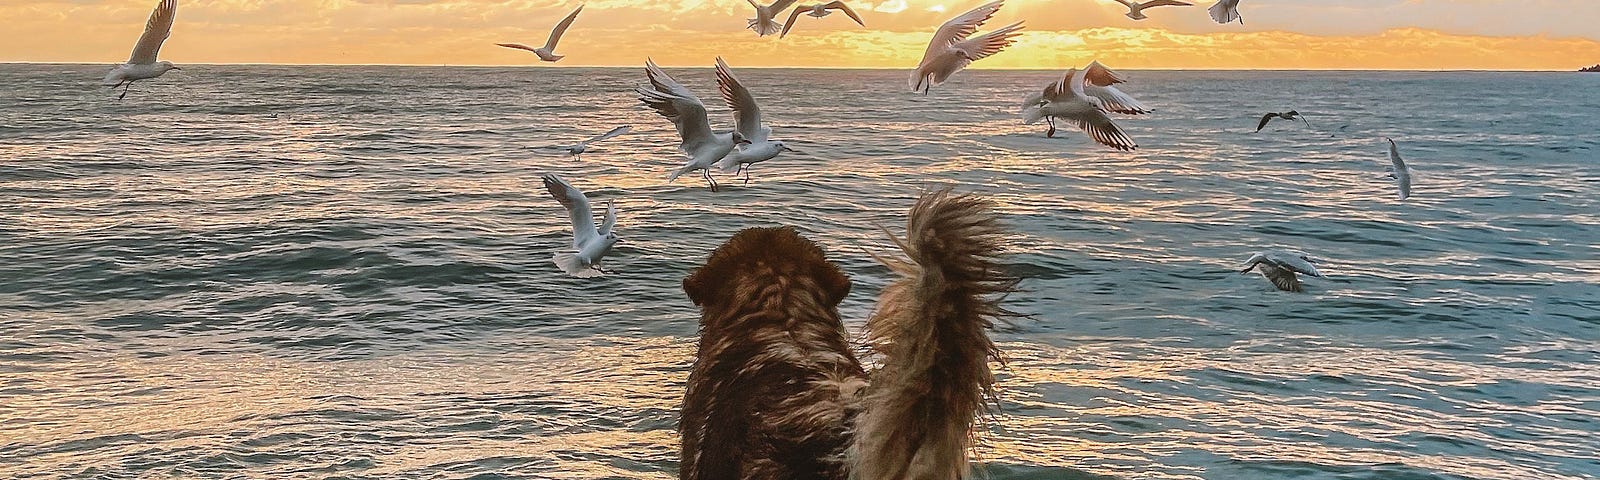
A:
710,180
1052,122
746,174
125,90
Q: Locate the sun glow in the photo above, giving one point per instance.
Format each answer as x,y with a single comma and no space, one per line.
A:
691,32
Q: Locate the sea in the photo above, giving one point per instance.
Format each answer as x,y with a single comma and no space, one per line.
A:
343,272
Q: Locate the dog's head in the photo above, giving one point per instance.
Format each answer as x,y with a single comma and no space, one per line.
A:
756,260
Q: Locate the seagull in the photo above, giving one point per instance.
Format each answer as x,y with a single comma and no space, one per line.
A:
1098,81
1399,171
142,64
1226,11
1136,9
1067,100
583,146
1291,116
548,51
820,10
747,122
950,50
764,24
1279,266
589,243
672,100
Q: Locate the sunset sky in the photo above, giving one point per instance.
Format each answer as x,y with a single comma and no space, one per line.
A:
1292,34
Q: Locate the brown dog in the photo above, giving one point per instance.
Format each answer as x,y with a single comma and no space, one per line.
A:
776,393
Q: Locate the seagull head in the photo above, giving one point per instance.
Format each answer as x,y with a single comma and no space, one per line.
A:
166,65
739,139
782,147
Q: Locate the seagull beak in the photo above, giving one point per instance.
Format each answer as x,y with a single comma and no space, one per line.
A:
177,68
787,149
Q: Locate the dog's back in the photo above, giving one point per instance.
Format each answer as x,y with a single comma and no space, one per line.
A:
775,392
771,390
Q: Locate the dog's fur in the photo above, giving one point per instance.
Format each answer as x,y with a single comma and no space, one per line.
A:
776,393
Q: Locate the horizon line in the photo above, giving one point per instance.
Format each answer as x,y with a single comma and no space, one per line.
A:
781,67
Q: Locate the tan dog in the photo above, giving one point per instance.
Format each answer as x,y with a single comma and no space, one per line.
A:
776,392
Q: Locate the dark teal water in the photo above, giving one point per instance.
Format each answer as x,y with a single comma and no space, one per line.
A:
343,272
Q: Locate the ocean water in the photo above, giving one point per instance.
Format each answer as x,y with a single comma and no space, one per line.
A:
343,272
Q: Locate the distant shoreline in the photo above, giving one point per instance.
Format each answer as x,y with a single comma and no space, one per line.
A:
1593,69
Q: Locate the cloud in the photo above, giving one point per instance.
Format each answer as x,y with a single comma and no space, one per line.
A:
690,32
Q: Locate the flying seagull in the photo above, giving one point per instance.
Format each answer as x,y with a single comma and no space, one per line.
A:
950,50
1136,9
1280,267
590,244
672,100
1399,171
763,23
1067,100
142,64
1226,11
1098,81
583,146
1291,116
820,10
548,51
747,122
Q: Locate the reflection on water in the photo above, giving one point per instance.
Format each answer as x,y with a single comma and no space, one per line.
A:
359,287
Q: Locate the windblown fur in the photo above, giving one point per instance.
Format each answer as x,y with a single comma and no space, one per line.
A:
777,394
931,327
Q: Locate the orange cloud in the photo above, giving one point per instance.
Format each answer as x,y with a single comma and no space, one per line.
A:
691,32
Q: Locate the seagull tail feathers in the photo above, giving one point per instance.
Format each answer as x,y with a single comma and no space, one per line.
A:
570,264
728,164
931,326
766,26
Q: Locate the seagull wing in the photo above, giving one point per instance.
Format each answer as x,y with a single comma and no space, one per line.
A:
156,31
614,132
610,221
1098,75
555,35
746,113
517,46
675,102
1294,262
790,24
1282,278
1113,100
989,43
779,6
1103,130
577,204
959,28
1167,3
1402,174
1264,119
840,6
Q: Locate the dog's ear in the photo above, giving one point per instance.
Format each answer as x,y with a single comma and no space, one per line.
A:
695,287
835,283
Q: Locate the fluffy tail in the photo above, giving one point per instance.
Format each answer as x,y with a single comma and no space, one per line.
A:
931,327
573,266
